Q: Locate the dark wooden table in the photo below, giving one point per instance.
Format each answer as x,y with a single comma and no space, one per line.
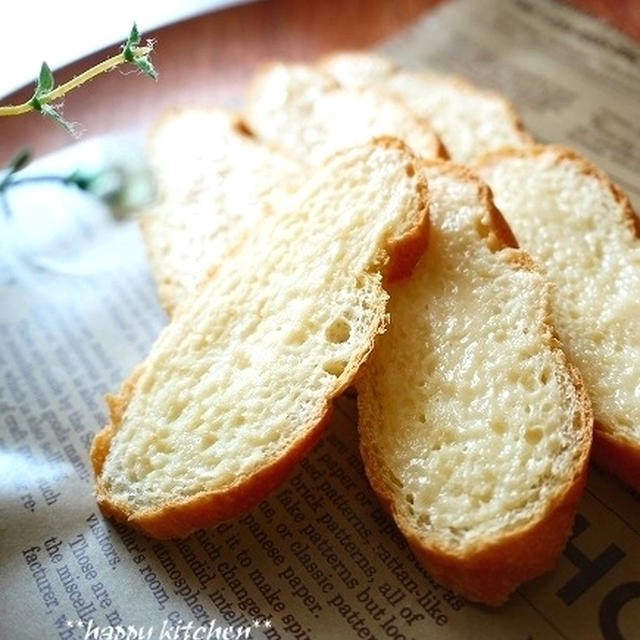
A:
209,58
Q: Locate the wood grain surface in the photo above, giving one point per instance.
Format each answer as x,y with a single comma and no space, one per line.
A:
209,58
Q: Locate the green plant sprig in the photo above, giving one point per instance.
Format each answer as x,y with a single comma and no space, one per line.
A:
47,93
122,182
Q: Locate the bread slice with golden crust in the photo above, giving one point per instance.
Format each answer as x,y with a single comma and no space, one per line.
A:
305,112
570,216
241,382
469,121
214,181
474,429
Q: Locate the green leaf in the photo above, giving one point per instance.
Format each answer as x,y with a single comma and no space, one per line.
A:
52,112
146,66
20,160
45,80
141,62
132,41
43,86
81,178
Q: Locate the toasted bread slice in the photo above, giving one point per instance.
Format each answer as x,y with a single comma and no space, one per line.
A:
569,215
303,110
475,431
214,182
241,382
468,120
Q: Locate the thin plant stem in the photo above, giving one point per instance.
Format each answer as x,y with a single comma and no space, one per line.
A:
59,92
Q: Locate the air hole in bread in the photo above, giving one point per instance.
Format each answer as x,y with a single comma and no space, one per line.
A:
481,227
208,440
534,434
242,361
494,243
335,367
203,341
528,383
175,410
484,228
424,520
163,446
544,376
485,492
394,479
410,170
547,406
243,128
338,331
497,425
296,337
500,335
409,503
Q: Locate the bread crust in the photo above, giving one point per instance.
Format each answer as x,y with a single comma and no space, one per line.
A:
490,571
613,451
181,517
617,454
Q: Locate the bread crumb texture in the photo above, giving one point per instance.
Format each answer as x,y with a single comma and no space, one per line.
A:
469,121
471,421
568,215
250,364
214,180
304,111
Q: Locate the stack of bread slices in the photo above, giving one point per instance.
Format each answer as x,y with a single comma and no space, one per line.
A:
361,224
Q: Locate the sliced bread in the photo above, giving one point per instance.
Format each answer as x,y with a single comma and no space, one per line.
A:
214,181
468,120
303,110
239,385
474,429
569,215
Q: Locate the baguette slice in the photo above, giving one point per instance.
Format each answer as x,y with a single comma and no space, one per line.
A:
303,110
468,120
582,228
474,430
239,385
214,181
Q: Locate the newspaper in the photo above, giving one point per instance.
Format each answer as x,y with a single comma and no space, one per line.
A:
573,79
318,558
